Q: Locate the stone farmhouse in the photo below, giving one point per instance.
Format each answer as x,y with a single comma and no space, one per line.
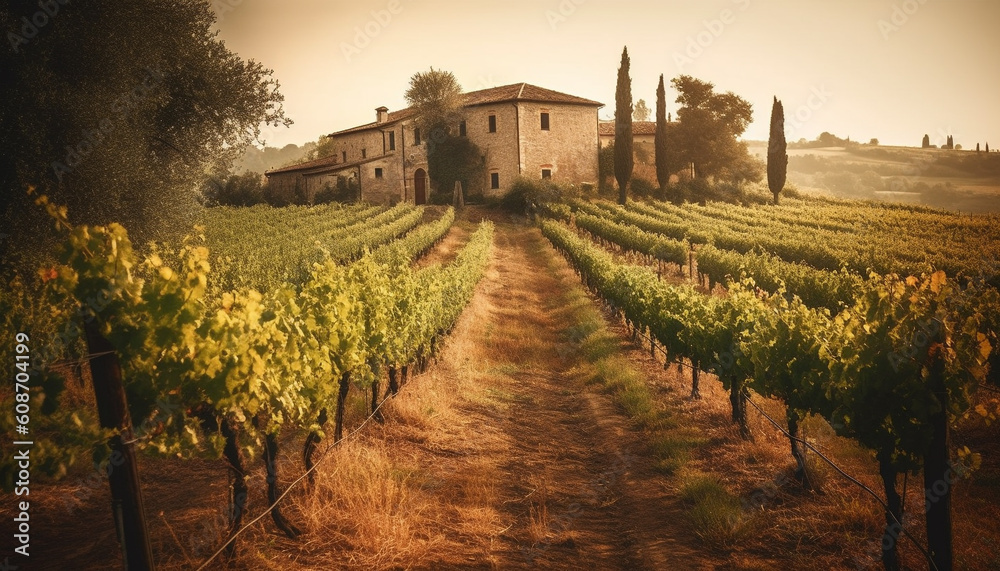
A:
522,130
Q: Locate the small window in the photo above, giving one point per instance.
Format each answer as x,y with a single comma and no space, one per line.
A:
461,129
546,173
493,126
343,156
378,172
364,153
494,180
392,140
416,136
545,121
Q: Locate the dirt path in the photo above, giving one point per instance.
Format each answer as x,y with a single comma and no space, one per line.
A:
540,469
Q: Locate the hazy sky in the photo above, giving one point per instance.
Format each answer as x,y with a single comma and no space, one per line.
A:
890,69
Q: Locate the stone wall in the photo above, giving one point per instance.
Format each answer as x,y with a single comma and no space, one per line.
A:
568,148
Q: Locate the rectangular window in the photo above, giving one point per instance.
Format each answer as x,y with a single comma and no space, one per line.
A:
416,136
343,156
364,153
545,121
493,123
392,140
461,129
546,173
494,180
378,172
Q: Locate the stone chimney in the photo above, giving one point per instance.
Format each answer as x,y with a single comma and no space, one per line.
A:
381,114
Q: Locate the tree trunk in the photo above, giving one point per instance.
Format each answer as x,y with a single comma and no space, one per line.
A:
893,516
393,387
345,387
238,490
271,466
939,477
800,462
738,402
310,446
375,410
406,374
123,471
694,380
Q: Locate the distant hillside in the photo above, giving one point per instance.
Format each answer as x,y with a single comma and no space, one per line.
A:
961,180
260,160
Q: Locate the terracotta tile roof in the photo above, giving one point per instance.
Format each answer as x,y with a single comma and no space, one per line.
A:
321,165
512,92
523,92
607,128
393,117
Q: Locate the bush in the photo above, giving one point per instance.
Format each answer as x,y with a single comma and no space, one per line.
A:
246,189
641,187
525,193
346,190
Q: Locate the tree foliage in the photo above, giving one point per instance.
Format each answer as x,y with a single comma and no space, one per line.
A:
436,96
709,124
641,111
777,154
660,137
623,128
124,129
452,158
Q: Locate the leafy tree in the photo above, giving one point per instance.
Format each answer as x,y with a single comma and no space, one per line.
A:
873,142
606,166
660,137
455,158
437,98
709,124
926,144
641,111
623,128
125,129
777,151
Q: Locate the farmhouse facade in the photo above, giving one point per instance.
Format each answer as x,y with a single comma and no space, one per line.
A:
521,129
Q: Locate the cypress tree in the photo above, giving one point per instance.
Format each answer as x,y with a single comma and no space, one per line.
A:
777,156
660,137
623,128
926,143
977,148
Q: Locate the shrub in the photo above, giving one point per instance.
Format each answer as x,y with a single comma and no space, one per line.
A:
525,192
641,187
246,189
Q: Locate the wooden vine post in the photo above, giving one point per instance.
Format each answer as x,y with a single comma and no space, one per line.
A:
123,473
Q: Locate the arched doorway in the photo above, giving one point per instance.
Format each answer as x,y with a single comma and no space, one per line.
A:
420,187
